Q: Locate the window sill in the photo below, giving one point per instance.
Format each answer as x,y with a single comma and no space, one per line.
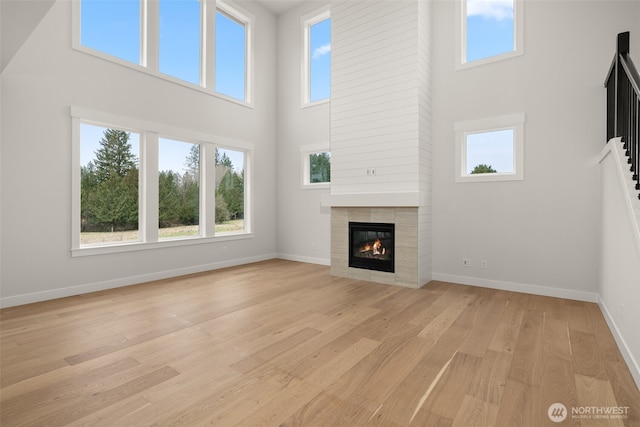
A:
317,186
314,103
110,248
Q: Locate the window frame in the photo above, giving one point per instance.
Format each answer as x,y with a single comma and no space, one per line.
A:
305,165
149,45
462,129
461,37
306,22
148,183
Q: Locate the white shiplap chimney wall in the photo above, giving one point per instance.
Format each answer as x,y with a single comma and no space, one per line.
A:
381,111
377,96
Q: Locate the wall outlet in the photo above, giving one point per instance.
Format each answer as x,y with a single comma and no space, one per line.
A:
371,171
483,263
466,262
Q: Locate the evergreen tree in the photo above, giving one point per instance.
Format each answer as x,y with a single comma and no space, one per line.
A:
114,157
115,198
483,168
320,167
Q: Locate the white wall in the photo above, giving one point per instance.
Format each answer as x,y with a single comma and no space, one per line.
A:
44,78
303,224
619,284
538,235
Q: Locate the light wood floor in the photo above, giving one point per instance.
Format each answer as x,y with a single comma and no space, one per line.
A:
284,343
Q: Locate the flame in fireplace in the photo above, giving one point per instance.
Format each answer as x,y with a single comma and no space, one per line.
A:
375,248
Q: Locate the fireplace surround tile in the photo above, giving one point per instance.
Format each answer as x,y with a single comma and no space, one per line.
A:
406,243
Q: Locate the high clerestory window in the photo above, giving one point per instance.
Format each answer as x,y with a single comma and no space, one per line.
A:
488,31
316,69
172,39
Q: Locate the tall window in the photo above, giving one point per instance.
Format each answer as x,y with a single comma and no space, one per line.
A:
178,189
231,63
173,38
491,30
229,195
180,39
108,185
317,62
112,27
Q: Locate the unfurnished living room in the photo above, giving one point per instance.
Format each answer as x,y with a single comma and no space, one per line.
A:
320,213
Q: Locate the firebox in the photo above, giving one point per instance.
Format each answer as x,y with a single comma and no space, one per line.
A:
371,246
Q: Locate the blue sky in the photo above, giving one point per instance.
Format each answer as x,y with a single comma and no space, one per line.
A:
493,148
114,28
490,28
172,154
320,60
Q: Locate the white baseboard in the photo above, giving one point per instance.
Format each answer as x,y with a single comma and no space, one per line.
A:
125,281
310,260
518,287
632,363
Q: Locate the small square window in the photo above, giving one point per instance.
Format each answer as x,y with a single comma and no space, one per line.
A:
490,149
315,166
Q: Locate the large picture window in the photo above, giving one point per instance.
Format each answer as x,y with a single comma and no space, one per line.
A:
134,187
172,39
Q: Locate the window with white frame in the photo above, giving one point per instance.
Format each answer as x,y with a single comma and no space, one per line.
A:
172,39
231,56
490,149
315,166
112,27
109,185
137,185
180,40
316,68
489,30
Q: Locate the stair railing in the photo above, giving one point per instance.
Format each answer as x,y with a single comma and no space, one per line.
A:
623,104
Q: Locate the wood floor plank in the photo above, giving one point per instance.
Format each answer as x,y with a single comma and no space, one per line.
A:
527,362
596,396
475,413
284,343
586,355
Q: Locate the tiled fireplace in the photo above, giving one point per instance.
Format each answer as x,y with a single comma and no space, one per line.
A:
404,221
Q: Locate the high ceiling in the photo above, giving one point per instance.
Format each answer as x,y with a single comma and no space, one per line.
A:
280,6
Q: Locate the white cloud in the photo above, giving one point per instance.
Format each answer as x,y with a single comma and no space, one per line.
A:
322,50
491,9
